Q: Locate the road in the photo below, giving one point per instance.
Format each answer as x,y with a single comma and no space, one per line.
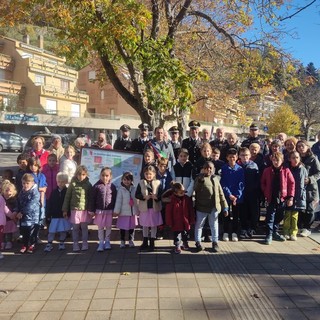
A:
8,160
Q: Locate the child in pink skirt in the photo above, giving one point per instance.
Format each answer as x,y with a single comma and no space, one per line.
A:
9,193
102,200
126,209
76,202
149,204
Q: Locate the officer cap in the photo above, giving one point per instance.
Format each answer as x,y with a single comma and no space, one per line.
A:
253,126
174,129
125,127
194,124
143,126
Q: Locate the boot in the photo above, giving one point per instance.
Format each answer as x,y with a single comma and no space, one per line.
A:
151,248
144,245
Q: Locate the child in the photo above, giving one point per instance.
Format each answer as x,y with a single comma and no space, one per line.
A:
67,164
8,175
76,202
34,167
50,170
218,164
206,152
250,213
148,160
22,161
182,171
300,173
149,205
275,146
165,178
28,212
209,202
9,193
180,217
101,204
126,209
54,213
277,184
232,182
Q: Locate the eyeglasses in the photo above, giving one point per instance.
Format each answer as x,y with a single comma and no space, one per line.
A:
174,132
253,129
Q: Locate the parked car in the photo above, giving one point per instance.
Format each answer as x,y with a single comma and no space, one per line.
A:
11,141
66,139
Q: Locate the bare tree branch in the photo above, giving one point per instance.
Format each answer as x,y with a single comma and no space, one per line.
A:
298,11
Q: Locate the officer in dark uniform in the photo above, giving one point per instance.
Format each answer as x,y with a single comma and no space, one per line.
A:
124,142
138,144
175,141
254,138
193,143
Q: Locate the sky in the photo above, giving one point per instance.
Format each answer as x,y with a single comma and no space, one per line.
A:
305,26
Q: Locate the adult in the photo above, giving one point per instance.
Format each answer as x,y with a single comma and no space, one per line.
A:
175,141
312,165
38,151
282,137
78,144
56,147
205,135
124,141
220,141
161,147
316,147
139,143
254,138
101,143
289,146
193,143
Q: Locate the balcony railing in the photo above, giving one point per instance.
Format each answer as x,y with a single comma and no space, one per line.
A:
64,94
9,87
6,62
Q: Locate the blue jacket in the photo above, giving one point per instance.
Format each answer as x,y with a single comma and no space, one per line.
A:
251,178
29,205
299,173
232,182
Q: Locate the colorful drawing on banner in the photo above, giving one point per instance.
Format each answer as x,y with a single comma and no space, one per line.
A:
117,162
98,159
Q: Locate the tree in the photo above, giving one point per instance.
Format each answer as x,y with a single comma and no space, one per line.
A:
284,120
164,45
305,99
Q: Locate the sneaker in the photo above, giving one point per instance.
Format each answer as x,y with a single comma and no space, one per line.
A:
293,238
8,246
31,249
185,246
215,247
243,234
100,247
1,255
23,249
225,237
62,246
107,245
48,247
268,240
76,247
199,247
251,233
84,246
278,237
287,237
131,244
305,233
122,244
234,237
177,249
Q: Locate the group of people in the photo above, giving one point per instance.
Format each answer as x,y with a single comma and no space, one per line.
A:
195,181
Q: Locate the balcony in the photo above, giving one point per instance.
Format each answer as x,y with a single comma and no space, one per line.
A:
10,87
58,93
6,62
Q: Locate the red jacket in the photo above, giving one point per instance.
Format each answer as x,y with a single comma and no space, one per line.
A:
179,213
287,184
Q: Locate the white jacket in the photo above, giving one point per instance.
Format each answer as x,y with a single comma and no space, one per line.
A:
122,206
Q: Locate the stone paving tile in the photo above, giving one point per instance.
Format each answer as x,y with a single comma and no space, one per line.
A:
124,304
61,294
190,292
104,293
79,315
40,295
55,305
45,315
195,314
147,304
147,292
18,295
126,293
68,285
211,292
215,303
101,304
83,294
147,314
122,315
169,292
195,303
171,314
78,305
24,316
170,304
304,301
97,315
292,314
220,315
34,305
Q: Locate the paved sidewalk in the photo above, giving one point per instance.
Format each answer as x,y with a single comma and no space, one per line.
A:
245,280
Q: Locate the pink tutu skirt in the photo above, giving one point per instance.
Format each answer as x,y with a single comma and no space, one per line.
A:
103,218
10,227
127,222
79,216
150,218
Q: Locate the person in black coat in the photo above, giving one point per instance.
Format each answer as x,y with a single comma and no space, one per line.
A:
124,141
139,144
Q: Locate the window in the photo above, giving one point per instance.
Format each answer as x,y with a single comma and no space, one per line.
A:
102,95
92,75
75,110
51,106
112,113
2,74
39,80
64,84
